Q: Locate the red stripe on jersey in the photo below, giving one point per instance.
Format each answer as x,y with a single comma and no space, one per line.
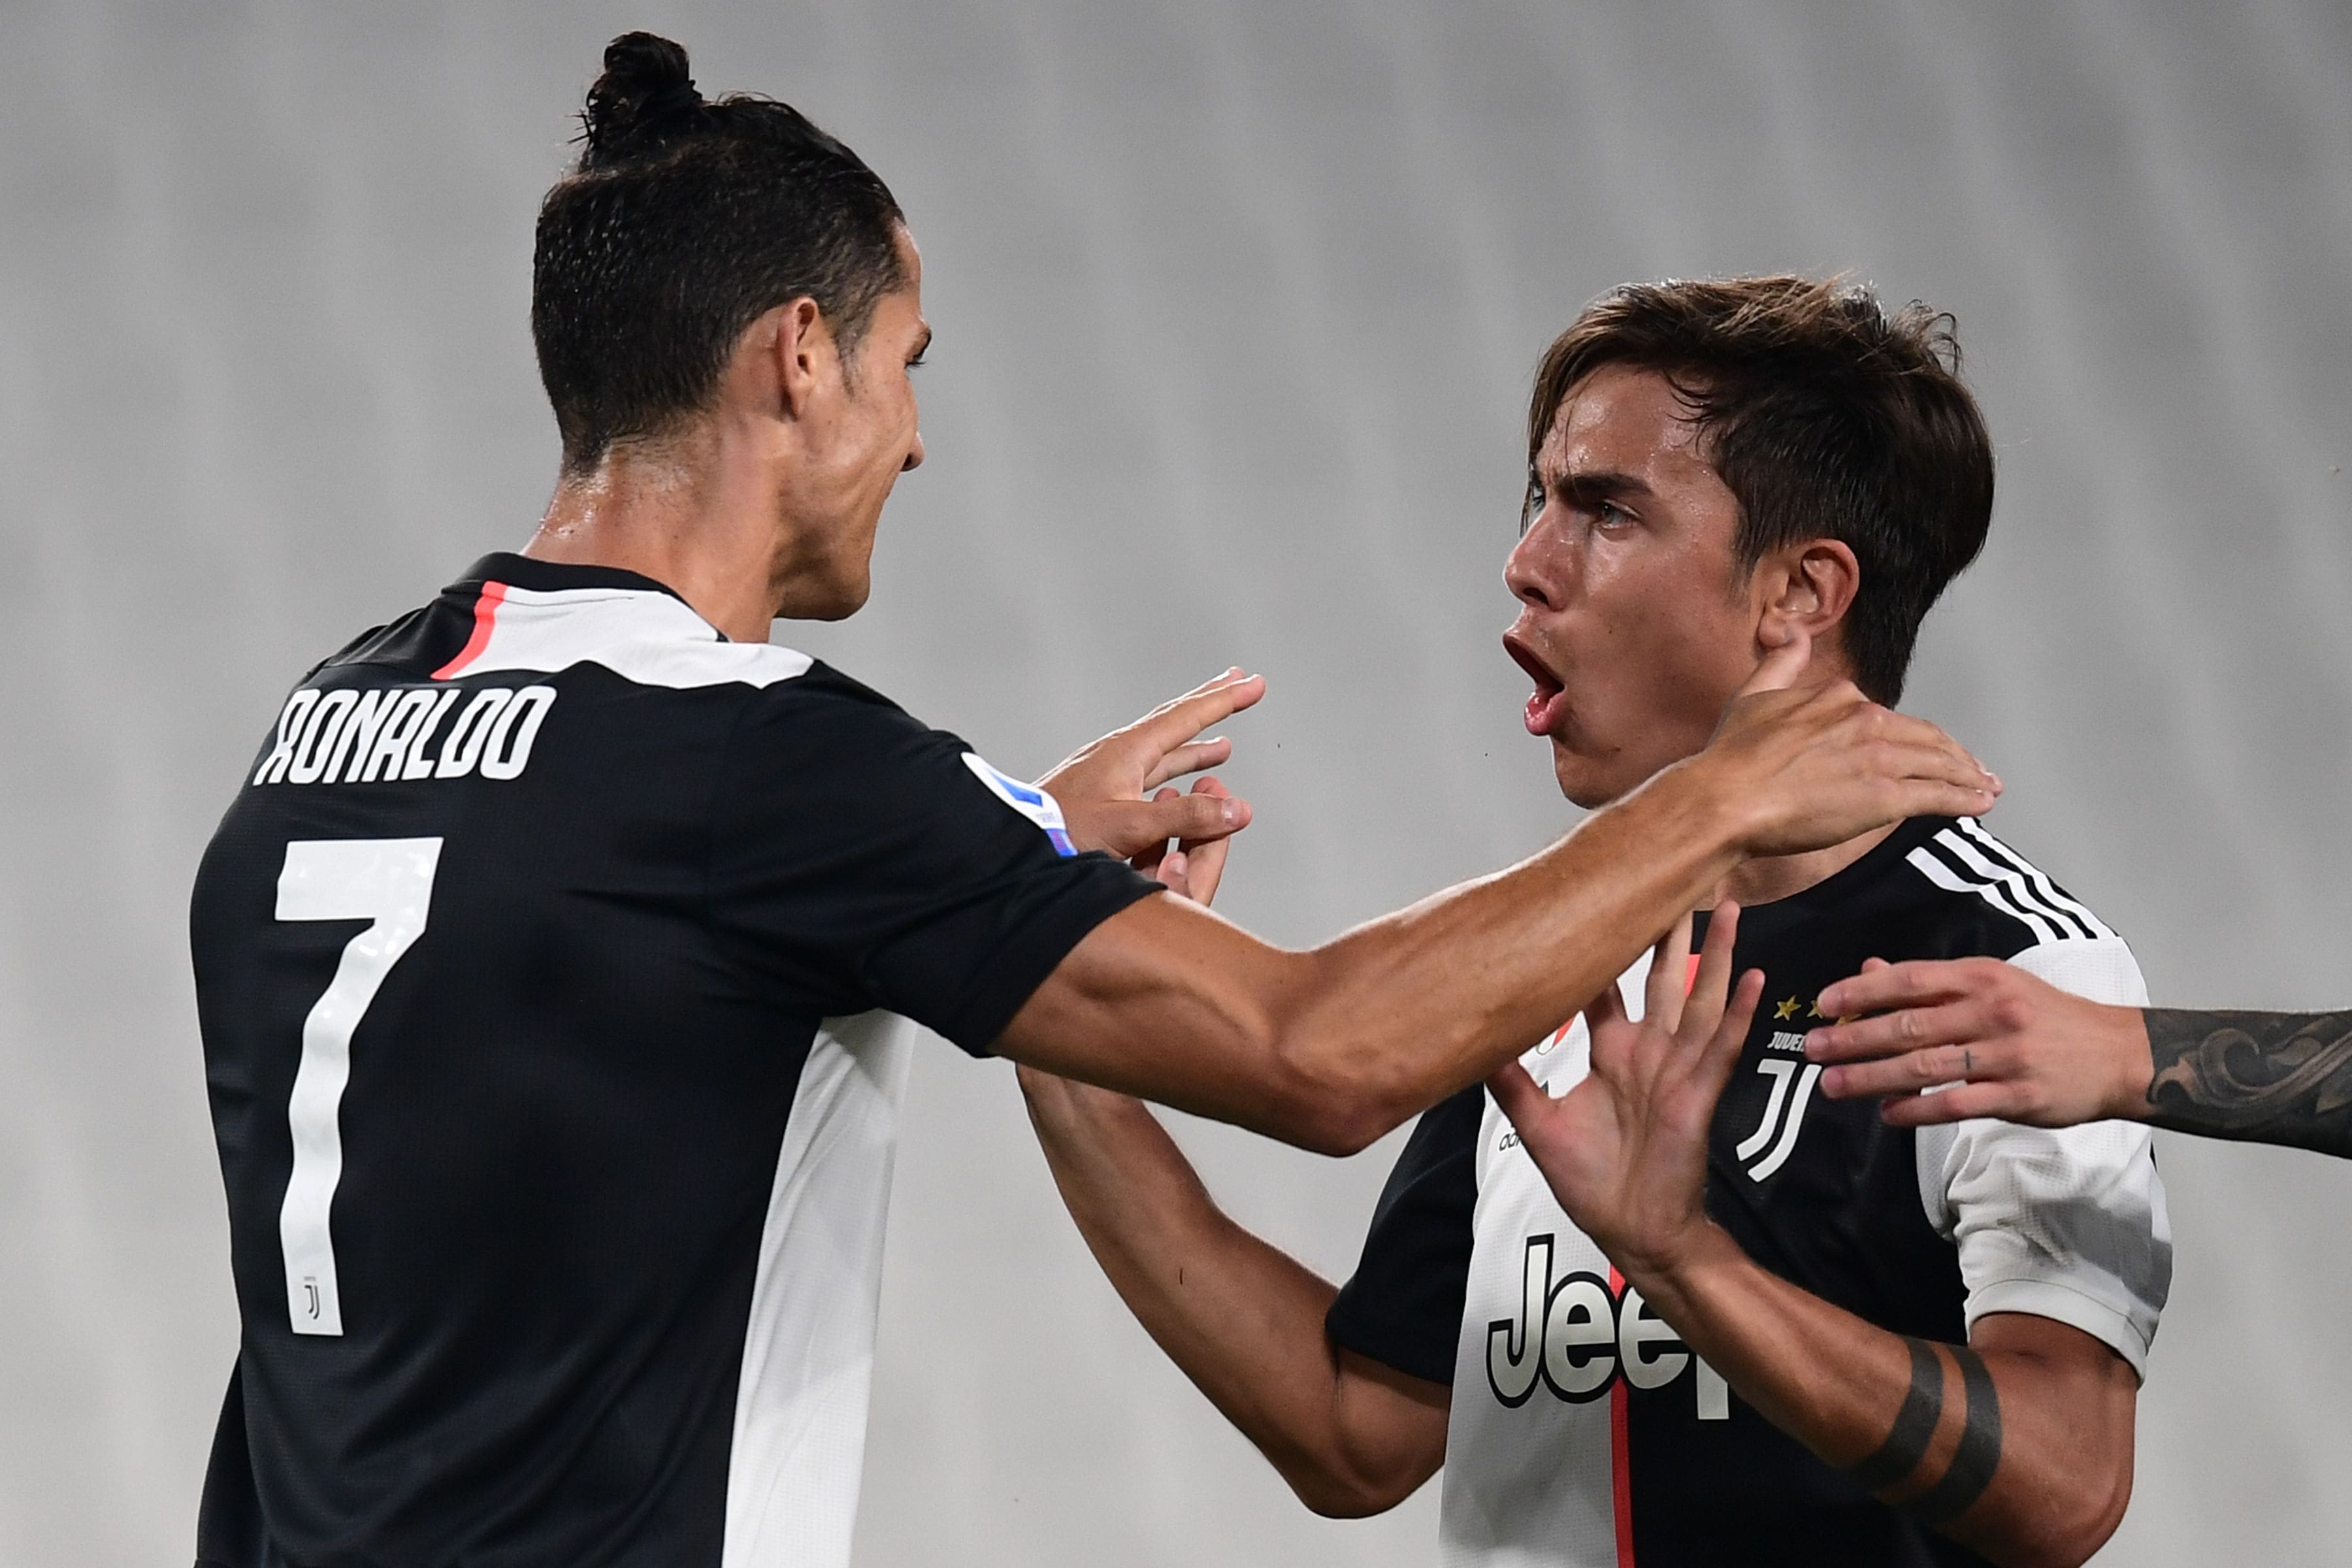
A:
486,613
1690,975
1621,1456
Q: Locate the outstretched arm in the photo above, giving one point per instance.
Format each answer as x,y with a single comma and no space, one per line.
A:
2017,1048
1331,1047
2018,1443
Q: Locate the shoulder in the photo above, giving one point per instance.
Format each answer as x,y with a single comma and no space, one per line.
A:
819,715
1985,898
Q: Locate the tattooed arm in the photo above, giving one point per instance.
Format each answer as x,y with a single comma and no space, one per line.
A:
2021,1049
2018,1443
2267,1078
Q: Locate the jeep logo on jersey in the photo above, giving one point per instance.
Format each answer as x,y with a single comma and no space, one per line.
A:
1577,1337
386,735
1027,799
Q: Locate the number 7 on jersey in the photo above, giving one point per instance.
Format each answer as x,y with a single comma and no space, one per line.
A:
388,882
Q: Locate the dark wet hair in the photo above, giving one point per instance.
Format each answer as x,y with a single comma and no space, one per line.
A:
685,221
1826,418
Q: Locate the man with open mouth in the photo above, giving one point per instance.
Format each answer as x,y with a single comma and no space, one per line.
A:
1766,1327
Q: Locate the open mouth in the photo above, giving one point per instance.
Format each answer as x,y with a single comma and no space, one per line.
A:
1548,703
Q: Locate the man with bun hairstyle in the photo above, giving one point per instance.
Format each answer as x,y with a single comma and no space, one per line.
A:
1686,1314
555,957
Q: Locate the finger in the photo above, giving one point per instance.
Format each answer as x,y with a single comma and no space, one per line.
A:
1207,856
1661,995
1172,723
1930,1066
1962,1023
1153,856
1521,1097
1882,985
1607,1009
1189,759
1965,1103
1175,874
1908,798
1711,988
1722,1054
1929,762
1197,818
1782,667
1934,753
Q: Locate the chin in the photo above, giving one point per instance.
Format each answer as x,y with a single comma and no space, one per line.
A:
1587,784
828,601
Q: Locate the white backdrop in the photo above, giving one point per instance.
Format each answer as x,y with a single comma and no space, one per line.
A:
1236,306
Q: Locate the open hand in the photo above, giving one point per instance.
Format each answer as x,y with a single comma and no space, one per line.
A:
1625,1151
1101,788
1810,767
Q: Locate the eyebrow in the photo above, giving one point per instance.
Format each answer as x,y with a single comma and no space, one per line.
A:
1589,486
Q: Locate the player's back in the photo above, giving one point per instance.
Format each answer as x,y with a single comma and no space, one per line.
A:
512,956
441,941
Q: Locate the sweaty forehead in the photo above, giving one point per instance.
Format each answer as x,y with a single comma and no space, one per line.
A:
1622,420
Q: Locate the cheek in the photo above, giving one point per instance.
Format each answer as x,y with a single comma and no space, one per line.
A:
1661,649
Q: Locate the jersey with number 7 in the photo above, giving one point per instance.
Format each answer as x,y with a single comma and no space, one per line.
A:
550,965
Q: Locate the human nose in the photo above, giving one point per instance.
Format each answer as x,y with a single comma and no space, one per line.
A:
1536,571
914,454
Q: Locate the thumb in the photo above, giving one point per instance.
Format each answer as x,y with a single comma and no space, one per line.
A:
1520,1097
1783,666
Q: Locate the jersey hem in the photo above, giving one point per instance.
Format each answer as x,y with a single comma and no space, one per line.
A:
1348,1333
2065,1304
1046,939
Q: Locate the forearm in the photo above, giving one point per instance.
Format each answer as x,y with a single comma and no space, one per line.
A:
1331,1047
1242,1321
1400,1012
2264,1078
2023,1455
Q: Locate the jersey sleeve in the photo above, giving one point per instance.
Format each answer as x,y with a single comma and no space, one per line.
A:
864,861
1402,1308
2062,1223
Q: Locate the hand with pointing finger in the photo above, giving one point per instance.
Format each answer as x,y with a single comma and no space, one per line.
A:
1102,787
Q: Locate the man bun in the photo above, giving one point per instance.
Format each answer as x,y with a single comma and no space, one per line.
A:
684,221
644,102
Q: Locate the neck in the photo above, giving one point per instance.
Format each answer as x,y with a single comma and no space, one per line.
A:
1762,880
694,517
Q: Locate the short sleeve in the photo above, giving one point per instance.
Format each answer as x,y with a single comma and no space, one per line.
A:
2062,1223
864,861
1404,1306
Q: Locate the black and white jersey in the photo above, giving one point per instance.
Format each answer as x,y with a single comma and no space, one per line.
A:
552,965
1582,1431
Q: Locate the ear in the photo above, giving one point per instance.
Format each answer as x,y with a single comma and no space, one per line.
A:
1806,588
791,355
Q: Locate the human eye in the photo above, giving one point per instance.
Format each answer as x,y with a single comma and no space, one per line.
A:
1608,514
1531,504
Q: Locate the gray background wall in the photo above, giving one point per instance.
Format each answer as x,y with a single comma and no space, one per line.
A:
1236,306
